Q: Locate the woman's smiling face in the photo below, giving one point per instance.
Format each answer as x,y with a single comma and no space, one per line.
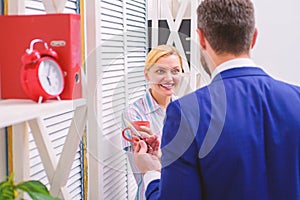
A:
164,75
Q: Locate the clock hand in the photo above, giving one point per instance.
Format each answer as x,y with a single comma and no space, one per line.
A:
49,69
49,75
48,79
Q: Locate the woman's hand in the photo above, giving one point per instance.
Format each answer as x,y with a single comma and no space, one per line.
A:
145,131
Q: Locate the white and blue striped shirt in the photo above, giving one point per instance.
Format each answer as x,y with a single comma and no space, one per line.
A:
143,109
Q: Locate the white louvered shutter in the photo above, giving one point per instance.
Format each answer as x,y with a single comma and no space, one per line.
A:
37,7
137,47
57,126
122,51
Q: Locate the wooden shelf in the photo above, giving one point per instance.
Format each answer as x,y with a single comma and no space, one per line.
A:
15,111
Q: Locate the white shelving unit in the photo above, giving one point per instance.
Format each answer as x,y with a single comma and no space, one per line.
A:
21,113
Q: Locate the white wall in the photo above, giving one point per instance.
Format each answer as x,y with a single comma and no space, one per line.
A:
277,47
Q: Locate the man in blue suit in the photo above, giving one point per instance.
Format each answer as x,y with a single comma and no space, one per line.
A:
237,138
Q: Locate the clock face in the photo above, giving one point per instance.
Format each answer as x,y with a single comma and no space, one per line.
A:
51,77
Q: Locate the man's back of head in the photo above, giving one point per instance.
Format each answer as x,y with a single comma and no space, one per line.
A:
228,25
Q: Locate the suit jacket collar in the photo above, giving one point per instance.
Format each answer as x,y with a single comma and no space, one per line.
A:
239,72
234,63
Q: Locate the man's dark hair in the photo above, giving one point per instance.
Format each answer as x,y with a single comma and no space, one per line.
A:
228,25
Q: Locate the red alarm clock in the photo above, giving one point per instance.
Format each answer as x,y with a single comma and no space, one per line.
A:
41,76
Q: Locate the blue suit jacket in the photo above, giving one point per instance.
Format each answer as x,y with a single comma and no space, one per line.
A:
236,139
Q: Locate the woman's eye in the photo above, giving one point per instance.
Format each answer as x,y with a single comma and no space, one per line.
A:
160,71
175,71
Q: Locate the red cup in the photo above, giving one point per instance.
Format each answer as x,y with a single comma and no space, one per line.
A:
136,125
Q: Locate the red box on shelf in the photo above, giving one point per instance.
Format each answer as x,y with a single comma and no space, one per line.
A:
61,32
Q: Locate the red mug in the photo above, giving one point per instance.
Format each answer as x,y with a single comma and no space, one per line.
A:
136,125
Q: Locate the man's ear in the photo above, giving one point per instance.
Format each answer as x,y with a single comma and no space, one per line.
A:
201,39
254,38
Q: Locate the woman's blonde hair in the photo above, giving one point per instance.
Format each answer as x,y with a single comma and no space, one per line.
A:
161,51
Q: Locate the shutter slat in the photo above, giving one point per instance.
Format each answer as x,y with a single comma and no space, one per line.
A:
113,5
118,92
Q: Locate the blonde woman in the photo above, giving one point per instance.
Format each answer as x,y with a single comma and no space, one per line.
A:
163,69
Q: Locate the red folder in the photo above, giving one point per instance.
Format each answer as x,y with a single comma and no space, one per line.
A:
61,32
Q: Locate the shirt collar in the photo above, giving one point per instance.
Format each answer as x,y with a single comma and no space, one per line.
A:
151,104
235,63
